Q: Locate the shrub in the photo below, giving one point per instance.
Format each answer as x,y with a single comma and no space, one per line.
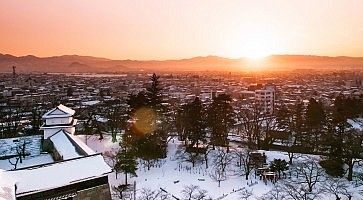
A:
333,167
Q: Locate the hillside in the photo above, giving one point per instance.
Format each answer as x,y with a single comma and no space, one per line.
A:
75,63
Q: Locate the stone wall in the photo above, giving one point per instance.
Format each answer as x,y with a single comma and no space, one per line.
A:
101,192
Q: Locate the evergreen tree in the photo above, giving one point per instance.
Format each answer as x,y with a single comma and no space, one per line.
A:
279,165
220,119
297,123
150,148
36,119
181,122
70,91
283,118
296,130
194,125
126,159
136,101
149,136
315,121
153,93
343,142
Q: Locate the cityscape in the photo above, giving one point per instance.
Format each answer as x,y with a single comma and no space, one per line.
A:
155,110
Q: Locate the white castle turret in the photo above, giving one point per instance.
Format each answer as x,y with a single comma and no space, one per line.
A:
58,118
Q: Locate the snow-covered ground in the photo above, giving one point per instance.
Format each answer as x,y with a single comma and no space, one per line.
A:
172,175
27,161
9,146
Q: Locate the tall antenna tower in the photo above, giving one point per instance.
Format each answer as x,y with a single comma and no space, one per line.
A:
14,72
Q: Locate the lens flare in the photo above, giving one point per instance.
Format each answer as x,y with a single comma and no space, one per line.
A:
145,120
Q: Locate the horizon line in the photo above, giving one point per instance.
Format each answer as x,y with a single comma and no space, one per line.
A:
180,58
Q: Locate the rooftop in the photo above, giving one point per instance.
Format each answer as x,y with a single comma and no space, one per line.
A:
51,175
59,111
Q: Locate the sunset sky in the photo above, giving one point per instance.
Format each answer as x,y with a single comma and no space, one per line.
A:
142,29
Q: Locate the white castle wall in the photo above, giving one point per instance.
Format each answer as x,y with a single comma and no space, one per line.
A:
57,121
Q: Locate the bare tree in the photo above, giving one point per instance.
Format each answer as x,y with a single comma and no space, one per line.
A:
148,194
251,121
222,159
148,163
123,192
188,156
301,186
291,151
217,174
243,156
14,163
117,117
111,159
193,192
277,193
352,150
245,194
207,151
20,150
89,115
337,187
308,173
295,191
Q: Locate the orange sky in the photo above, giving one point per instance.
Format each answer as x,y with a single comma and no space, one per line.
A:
151,29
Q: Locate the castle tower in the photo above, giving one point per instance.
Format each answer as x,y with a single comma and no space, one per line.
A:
59,118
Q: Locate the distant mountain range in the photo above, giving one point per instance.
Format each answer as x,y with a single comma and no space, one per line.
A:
88,64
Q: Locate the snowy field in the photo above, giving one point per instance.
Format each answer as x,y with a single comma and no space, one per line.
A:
172,174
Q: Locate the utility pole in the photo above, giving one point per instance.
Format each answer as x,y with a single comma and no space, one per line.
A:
134,190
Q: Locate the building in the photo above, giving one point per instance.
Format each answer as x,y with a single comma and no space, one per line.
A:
70,170
262,95
59,118
265,100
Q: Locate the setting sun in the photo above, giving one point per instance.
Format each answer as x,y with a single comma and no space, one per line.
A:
254,43
257,53
260,44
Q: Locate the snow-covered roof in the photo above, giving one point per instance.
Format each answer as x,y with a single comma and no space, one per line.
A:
7,189
48,176
64,145
356,123
90,103
82,145
59,111
101,119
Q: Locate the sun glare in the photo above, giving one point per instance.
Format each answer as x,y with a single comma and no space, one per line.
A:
256,55
258,47
254,45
